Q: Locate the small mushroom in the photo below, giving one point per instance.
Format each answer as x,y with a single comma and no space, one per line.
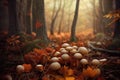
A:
65,56
57,53
73,51
64,51
69,48
20,68
77,55
64,45
39,67
75,47
8,77
103,60
83,50
95,62
54,59
55,66
84,61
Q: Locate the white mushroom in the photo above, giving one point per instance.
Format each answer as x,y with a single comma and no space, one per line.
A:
55,66
65,56
64,51
64,45
75,47
84,61
39,67
83,50
77,55
95,62
73,51
8,77
20,68
69,48
57,53
54,59
103,60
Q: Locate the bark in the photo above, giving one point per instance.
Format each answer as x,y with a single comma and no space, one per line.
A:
41,31
54,19
13,21
117,24
61,20
72,36
29,17
3,16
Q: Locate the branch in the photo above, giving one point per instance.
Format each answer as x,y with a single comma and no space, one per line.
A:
106,51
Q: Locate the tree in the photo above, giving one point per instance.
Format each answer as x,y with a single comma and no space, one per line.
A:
54,17
41,26
29,22
72,36
13,22
117,23
3,15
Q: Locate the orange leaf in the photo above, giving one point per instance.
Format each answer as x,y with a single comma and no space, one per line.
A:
27,67
38,24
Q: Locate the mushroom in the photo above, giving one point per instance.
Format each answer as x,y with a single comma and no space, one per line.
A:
57,53
84,61
83,50
69,48
95,62
64,45
8,77
75,47
20,68
73,51
55,66
54,59
61,49
77,55
65,56
64,51
103,60
39,67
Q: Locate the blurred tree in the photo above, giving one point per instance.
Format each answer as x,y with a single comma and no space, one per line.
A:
29,16
73,27
62,16
54,16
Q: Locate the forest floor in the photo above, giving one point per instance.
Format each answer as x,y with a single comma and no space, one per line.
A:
24,58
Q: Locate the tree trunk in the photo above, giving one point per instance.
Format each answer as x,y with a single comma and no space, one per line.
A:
62,15
3,16
73,37
54,19
41,30
29,17
13,22
117,24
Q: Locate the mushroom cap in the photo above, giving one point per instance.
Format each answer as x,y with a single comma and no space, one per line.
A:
83,50
20,68
69,48
64,51
55,66
65,56
64,45
95,62
75,47
84,61
54,59
8,77
73,51
103,60
77,55
57,53
39,67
